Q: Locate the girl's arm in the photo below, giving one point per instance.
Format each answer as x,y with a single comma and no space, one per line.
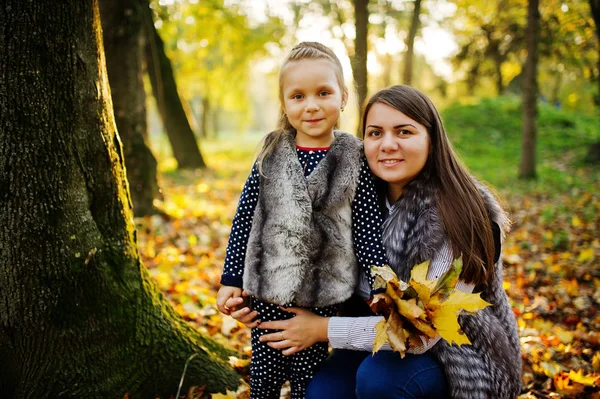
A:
233,270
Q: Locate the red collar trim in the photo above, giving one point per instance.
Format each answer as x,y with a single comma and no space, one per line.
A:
312,148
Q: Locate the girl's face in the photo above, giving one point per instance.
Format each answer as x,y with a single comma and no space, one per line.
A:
396,147
312,99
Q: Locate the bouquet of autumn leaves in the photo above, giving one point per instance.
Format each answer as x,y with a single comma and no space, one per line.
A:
421,307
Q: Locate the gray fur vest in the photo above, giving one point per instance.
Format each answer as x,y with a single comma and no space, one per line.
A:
300,247
491,366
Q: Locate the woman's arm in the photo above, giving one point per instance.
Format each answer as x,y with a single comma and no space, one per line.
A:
353,333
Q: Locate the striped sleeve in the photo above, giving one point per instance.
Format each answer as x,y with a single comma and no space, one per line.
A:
358,333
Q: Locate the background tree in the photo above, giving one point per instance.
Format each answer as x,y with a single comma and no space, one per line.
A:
79,316
489,35
122,23
595,7
212,47
164,87
530,90
410,43
358,58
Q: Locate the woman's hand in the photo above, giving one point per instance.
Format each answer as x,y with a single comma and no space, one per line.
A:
240,310
298,333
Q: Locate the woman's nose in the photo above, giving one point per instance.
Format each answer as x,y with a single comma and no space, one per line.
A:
389,142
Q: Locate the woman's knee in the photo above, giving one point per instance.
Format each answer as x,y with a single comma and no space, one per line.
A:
386,375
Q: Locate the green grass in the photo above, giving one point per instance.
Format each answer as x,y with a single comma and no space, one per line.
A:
487,136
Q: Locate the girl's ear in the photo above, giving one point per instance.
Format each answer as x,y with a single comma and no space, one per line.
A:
344,98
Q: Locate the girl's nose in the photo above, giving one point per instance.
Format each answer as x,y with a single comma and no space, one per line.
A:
312,104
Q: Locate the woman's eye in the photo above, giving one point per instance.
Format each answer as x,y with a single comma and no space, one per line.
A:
403,132
374,133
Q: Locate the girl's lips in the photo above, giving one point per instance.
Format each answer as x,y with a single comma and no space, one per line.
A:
313,120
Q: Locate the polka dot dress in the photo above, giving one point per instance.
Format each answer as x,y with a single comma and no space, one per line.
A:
269,369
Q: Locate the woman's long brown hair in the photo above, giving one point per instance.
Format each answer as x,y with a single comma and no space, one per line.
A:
460,203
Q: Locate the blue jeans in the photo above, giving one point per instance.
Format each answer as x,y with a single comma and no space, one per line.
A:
350,374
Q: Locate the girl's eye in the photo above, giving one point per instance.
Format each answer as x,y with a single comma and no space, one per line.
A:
297,97
323,93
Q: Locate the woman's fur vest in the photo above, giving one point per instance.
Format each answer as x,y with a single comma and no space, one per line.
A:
491,366
300,247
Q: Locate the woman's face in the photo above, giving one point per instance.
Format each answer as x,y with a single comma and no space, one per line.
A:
396,147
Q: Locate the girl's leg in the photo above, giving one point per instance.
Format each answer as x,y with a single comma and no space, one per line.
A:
268,367
303,366
387,376
336,378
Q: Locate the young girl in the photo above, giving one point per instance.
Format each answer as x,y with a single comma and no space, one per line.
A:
307,218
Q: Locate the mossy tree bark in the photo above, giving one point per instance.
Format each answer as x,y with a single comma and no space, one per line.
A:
178,129
79,316
123,45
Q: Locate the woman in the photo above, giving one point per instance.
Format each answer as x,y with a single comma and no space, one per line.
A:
440,213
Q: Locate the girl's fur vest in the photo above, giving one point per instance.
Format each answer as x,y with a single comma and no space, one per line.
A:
491,366
300,247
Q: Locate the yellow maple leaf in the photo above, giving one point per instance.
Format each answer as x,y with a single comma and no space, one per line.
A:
381,336
423,291
418,274
587,380
576,222
446,325
228,395
596,361
459,300
395,333
409,308
586,255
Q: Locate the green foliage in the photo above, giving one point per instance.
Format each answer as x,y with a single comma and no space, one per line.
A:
488,137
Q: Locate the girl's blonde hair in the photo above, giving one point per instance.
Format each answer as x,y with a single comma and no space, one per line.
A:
302,51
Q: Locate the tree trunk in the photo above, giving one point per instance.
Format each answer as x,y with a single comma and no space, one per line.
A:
530,86
205,115
122,34
79,315
498,59
410,43
358,60
595,7
178,129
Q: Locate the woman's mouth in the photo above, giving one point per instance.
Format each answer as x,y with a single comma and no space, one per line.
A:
391,162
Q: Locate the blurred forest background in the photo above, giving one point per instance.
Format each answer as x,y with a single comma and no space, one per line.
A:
194,89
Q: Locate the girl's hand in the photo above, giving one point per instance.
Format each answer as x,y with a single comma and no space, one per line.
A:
241,312
225,293
298,333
